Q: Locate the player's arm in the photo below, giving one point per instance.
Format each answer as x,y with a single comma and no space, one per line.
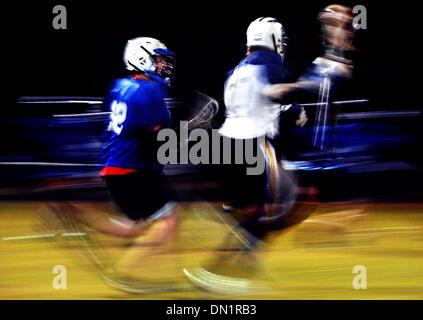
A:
282,90
286,93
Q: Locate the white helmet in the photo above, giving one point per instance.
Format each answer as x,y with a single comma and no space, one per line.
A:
140,53
267,32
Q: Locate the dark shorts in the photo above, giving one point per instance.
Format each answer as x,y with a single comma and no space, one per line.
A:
139,195
243,189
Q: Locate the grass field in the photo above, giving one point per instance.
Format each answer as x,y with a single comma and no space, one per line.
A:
312,260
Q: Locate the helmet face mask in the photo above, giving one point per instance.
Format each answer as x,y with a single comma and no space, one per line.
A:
269,33
165,63
141,54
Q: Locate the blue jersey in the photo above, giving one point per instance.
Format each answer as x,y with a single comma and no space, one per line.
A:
137,107
275,70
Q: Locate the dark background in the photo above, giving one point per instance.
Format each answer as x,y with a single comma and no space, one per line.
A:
208,38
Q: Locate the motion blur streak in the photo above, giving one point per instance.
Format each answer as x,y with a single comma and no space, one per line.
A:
311,261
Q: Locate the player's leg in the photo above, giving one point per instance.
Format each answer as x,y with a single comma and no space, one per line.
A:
142,197
230,271
155,240
69,212
112,225
249,192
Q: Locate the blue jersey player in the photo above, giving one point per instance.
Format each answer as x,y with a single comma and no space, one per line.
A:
138,111
132,172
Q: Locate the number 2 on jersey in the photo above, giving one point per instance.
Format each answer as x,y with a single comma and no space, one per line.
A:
118,116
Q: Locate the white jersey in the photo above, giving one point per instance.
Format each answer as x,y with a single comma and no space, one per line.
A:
248,113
